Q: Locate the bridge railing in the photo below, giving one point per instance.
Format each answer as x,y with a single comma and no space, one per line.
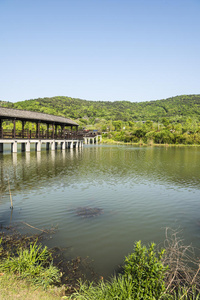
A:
90,133
43,134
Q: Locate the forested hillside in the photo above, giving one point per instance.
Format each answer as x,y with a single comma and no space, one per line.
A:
174,120
175,109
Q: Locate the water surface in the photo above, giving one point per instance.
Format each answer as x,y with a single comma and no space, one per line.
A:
140,190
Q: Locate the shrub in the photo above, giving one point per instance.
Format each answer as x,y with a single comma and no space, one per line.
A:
146,270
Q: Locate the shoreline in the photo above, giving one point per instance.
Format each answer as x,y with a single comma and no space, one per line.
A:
110,141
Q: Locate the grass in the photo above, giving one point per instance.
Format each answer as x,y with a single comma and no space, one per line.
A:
149,143
11,287
33,264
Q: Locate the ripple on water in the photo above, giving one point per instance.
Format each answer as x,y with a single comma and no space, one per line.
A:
129,193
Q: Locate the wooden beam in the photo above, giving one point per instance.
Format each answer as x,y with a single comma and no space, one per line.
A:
53,131
1,128
38,129
14,129
23,123
47,130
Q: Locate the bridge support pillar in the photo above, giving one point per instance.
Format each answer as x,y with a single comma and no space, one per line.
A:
14,147
38,146
71,145
28,146
53,146
63,146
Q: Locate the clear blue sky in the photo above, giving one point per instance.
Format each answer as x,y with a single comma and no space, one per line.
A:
135,50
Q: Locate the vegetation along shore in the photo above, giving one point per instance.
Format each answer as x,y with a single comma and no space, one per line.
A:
29,270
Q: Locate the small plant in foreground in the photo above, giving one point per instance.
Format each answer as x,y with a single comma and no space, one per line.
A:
34,264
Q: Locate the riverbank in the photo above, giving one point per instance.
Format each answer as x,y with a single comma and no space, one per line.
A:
29,270
141,143
170,273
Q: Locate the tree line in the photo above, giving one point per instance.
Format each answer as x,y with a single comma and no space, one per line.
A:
174,120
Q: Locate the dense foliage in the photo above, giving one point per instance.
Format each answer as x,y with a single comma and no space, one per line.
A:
174,120
176,108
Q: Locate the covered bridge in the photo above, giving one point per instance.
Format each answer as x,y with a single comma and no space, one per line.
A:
57,130
52,123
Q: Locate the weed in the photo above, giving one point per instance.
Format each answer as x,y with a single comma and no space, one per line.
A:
34,264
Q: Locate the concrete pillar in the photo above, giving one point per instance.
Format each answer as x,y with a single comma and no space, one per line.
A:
71,145
92,140
63,146
28,146
47,146
23,147
1,147
14,147
38,146
53,146
76,144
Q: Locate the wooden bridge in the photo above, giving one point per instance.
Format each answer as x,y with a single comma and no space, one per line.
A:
58,131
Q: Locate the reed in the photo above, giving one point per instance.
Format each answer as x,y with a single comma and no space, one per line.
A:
11,202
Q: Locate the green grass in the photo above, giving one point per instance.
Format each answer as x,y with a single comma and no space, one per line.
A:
33,264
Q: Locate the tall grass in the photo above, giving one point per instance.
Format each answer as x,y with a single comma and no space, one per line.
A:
34,264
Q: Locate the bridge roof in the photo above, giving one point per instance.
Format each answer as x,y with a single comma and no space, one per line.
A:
32,116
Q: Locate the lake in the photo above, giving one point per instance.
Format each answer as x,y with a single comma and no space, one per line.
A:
138,191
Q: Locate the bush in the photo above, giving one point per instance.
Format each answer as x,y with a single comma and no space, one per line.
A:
146,270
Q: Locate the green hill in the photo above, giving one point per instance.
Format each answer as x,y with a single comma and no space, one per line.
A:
176,109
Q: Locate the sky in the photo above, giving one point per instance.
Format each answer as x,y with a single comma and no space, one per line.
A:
134,50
